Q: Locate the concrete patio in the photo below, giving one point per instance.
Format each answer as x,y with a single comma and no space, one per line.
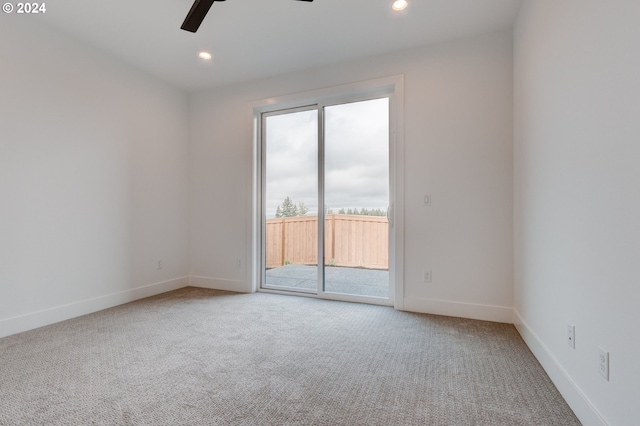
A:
355,281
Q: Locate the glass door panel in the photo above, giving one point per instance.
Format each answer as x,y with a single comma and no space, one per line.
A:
290,200
356,198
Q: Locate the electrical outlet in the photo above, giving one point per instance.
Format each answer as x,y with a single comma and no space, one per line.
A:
427,200
427,276
239,264
603,363
571,335
159,264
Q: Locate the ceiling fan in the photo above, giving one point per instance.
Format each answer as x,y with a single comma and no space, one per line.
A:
198,12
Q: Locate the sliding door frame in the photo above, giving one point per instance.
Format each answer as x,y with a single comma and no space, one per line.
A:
389,87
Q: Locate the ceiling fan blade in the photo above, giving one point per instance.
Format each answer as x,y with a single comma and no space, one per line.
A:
196,15
198,12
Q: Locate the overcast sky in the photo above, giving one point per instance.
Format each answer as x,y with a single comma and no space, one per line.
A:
356,157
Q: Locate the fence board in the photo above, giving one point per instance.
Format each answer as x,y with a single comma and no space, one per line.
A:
350,240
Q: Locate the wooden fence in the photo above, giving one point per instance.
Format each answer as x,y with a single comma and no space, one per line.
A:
350,240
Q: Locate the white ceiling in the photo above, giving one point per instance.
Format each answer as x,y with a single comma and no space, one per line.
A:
258,38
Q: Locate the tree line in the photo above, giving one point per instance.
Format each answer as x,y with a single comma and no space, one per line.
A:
290,209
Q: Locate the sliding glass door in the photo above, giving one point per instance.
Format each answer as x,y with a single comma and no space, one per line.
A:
325,173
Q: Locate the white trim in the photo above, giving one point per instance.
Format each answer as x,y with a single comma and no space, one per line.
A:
349,298
56,314
383,85
570,391
219,284
396,244
353,298
450,308
392,87
253,261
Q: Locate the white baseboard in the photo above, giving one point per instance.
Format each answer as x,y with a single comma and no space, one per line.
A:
219,284
56,314
571,392
459,309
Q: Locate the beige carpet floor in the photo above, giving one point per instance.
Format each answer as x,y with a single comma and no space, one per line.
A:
204,357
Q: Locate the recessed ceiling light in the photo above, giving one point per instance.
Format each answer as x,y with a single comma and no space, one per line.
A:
400,5
204,55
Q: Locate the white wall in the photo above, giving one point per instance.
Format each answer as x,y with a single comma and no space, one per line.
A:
577,198
458,144
93,179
